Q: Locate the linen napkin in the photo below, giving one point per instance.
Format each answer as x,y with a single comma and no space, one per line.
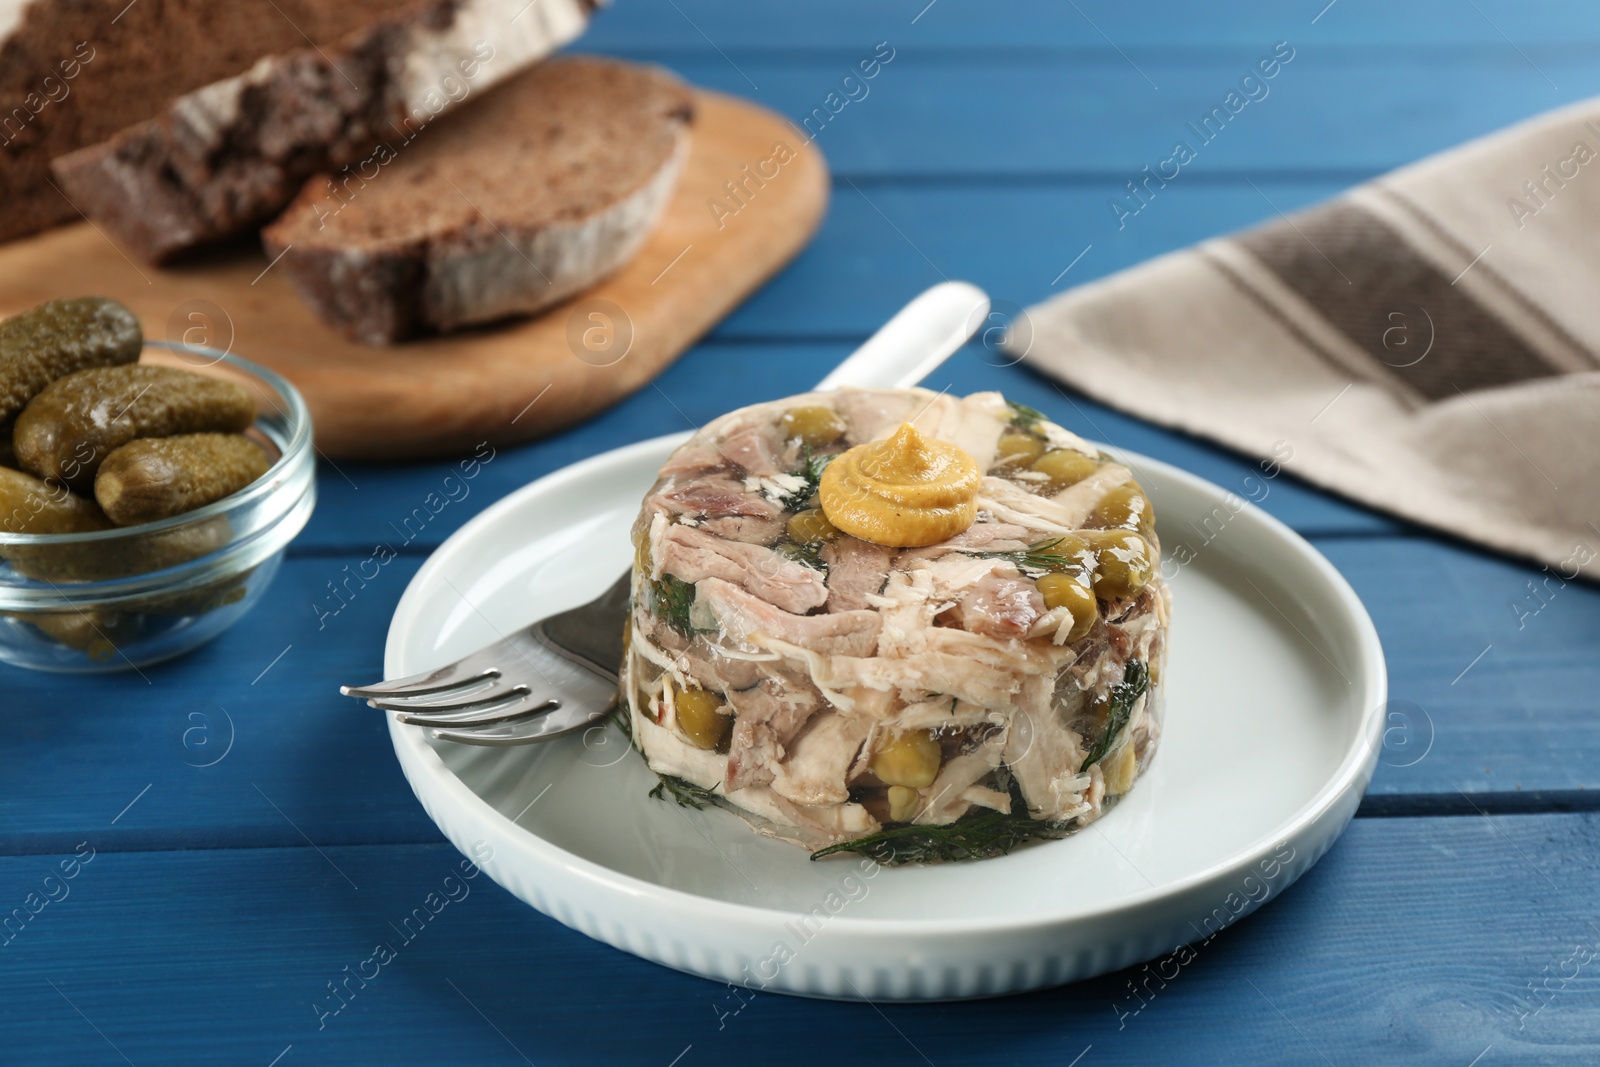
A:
1427,343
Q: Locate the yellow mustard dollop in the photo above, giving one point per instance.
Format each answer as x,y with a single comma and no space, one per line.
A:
906,490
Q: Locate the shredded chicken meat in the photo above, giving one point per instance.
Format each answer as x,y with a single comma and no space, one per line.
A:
830,688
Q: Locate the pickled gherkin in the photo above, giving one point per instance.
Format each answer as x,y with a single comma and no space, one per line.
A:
100,633
58,338
96,633
75,402
122,557
68,430
158,477
30,506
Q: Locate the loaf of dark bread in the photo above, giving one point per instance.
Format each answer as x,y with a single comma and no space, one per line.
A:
525,197
74,72
228,156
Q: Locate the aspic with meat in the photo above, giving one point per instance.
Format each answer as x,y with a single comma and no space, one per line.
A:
897,622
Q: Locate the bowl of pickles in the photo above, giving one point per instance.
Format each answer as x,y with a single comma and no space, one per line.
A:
147,490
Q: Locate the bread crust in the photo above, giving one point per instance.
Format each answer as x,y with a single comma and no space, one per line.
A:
229,156
489,260
75,72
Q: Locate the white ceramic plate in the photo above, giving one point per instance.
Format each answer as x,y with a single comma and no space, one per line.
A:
1276,687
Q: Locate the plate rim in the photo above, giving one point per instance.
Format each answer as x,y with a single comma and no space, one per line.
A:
1352,774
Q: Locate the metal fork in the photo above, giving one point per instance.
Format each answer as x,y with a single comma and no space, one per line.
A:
561,673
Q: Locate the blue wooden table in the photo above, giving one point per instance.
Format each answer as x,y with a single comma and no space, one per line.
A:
238,835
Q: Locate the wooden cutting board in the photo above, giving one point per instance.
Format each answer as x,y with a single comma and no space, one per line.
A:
505,384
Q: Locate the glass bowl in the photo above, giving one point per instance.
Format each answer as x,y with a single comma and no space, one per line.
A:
120,599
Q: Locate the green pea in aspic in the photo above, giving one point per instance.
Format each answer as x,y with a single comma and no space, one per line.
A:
158,477
30,506
55,339
68,430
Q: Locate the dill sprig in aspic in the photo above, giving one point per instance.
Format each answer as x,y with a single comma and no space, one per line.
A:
1124,695
1023,417
811,468
1038,558
979,834
671,599
685,792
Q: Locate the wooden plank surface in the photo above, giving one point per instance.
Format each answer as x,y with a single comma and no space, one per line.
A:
208,923
880,243
1096,115
1206,26
246,742
1414,940
501,383
361,504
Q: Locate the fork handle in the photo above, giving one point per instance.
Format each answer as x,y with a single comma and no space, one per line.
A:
910,346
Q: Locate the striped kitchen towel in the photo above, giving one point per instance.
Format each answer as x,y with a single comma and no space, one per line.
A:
1428,343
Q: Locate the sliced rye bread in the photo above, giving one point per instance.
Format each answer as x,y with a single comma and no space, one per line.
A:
525,197
74,72
227,157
